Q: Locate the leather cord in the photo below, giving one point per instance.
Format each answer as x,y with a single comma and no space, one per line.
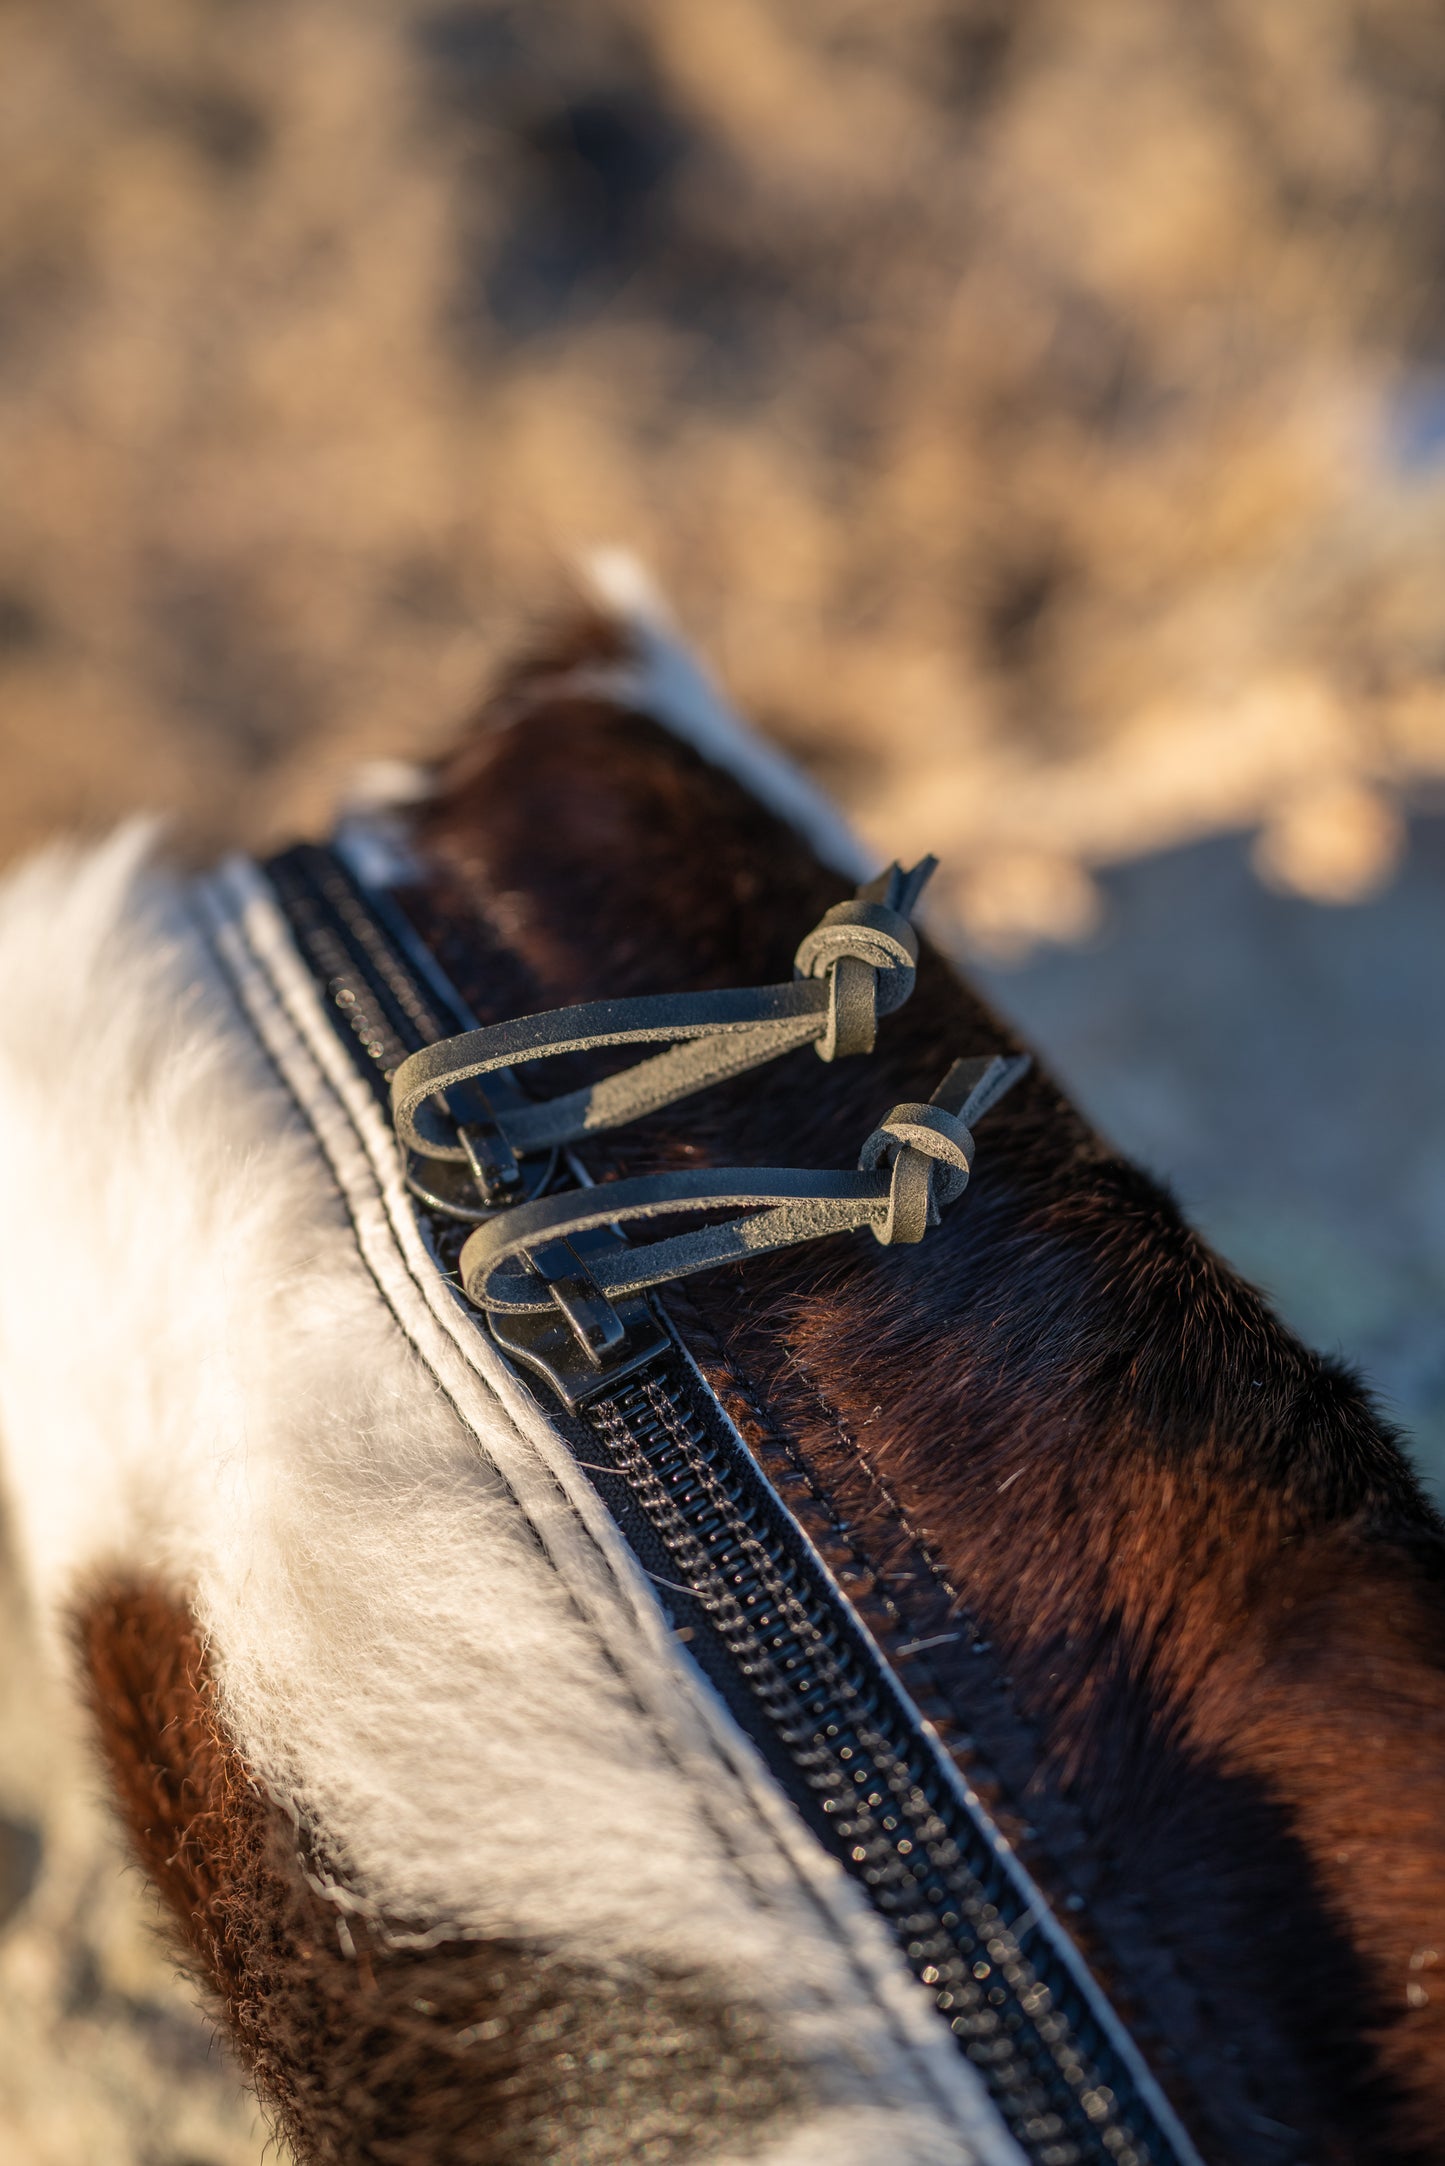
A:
856,966
916,1161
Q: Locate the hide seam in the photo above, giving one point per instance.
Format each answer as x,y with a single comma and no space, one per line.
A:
878,1972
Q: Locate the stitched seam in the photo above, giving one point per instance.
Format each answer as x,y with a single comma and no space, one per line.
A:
749,1392
1164,1945
909,2050
388,1302
922,1542
1163,1942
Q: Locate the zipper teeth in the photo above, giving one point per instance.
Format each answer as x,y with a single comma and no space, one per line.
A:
927,1868
878,1798
374,948
380,1028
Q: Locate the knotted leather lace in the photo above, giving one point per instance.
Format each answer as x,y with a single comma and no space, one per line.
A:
915,1162
855,966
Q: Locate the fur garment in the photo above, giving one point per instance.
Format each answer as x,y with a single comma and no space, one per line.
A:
437,1663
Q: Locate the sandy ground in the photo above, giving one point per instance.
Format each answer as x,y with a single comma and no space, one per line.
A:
1037,411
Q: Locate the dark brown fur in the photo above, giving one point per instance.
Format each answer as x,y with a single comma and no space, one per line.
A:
1213,1593
473,2053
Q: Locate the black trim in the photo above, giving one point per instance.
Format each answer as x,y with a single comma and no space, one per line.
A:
762,1617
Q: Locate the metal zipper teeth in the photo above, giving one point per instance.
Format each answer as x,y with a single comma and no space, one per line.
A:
872,1786
382,1010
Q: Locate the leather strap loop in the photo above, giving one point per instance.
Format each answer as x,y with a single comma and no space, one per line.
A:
802,1206
914,1162
868,954
930,1152
857,964
736,1030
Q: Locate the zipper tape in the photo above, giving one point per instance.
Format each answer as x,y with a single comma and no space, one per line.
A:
782,1645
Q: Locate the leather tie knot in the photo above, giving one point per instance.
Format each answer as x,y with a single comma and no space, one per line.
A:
570,1250
930,1152
456,1102
868,952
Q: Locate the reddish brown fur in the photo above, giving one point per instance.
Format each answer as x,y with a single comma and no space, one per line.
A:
476,2054
1215,1595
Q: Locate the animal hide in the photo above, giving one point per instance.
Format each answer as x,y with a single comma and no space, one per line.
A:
478,1867
411,1710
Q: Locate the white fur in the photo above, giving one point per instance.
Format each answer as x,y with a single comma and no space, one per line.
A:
218,1364
370,830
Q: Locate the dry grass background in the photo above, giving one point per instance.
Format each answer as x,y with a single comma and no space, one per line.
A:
1033,407
1037,410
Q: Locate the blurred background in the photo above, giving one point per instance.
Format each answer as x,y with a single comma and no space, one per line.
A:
1036,412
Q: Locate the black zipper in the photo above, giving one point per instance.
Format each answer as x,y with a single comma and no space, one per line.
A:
762,1616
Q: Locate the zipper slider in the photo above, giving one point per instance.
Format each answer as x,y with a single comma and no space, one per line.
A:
584,1341
495,1166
